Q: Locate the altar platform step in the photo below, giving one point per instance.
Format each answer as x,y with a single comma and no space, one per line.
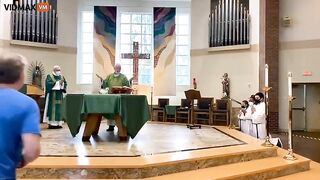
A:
247,161
144,166
312,174
267,168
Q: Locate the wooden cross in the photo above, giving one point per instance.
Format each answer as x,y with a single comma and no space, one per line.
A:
135,56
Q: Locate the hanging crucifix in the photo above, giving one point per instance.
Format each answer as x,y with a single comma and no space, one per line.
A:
135,56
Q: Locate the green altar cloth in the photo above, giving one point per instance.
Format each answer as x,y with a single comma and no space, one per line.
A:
133,110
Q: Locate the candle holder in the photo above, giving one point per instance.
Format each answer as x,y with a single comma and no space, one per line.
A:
267,142
231,126
290,156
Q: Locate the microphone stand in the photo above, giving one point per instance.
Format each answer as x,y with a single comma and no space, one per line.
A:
231,125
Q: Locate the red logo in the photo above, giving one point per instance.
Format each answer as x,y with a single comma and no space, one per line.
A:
43,7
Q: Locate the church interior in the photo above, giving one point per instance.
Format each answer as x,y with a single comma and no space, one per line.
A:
189,66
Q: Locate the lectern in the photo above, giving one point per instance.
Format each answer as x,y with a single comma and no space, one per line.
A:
34,92
192,95
31,90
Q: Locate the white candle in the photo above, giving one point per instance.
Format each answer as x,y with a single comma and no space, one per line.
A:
289,84
266,75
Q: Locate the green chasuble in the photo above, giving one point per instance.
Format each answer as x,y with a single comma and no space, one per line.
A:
54,111
111,81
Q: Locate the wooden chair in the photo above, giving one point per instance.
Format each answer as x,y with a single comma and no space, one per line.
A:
203,111
159,110
171,113
183,112
221,111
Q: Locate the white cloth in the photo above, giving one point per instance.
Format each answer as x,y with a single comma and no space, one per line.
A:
45,117
259,121
104,91
57,86
245,120
249,127
258,113
259,131
246,126
276,142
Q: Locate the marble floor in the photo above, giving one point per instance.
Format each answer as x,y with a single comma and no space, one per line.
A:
153,138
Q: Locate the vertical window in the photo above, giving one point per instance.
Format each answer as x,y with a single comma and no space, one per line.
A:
136,27
182,49
85,50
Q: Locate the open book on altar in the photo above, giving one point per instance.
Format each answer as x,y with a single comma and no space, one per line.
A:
121,90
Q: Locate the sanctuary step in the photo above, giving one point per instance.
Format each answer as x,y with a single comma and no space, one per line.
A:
267,168
312,174
256,169
144,166
246,161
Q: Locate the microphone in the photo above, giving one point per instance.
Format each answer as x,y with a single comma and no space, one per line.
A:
238,102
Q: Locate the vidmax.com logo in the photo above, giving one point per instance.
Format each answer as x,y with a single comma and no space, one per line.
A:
43,7
17,5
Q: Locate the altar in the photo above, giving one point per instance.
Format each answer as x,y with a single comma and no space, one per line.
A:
130,112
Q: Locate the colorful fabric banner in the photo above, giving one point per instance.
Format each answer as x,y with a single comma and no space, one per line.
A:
105,22
164,51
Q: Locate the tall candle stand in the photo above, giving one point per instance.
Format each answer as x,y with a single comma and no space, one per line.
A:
267,142
290,156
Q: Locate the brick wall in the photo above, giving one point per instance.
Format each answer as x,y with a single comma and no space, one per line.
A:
269,54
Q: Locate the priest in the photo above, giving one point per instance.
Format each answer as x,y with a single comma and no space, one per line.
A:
114,79
56,85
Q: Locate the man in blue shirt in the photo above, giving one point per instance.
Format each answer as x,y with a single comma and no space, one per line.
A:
19,118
